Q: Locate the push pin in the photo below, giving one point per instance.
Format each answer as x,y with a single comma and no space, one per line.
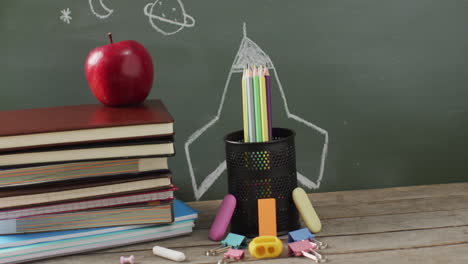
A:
305,234
231,241
127,260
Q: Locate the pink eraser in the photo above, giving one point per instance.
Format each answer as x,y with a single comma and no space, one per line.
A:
223,218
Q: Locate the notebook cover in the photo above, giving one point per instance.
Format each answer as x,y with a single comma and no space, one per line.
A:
91,243
67,118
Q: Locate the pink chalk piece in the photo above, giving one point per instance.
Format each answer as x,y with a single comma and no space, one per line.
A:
236,254
296,248
127,260
223,218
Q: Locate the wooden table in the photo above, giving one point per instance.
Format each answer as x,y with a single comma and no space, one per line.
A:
420,224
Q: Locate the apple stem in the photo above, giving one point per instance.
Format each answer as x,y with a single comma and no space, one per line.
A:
110,37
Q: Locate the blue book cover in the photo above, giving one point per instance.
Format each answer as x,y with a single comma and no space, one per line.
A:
181,212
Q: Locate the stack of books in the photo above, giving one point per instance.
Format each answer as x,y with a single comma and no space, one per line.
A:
86,177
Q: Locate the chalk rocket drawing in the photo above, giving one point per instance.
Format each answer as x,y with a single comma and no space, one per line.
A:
250,53
168,16
66,15
95,3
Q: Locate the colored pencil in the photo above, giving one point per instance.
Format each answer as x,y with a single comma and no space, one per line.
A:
258,112
244,108
268,96
263,104
250,105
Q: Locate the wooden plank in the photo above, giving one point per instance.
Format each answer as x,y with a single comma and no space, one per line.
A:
384,194
394,223
451,254
389,194
447,253
355,226
339,244
345,204
396,240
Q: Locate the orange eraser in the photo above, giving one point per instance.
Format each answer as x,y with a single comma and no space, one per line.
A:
267,217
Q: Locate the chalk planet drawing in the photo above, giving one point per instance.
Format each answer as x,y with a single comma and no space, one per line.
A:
168,16
95,3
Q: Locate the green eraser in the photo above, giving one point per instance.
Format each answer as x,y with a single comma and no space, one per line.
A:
306,210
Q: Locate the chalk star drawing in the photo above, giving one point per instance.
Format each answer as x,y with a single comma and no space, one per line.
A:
65,17
250,53
168,16
107,11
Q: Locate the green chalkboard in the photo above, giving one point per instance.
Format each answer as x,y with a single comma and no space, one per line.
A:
384,83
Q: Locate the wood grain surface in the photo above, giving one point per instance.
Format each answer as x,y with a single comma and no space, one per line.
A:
419,224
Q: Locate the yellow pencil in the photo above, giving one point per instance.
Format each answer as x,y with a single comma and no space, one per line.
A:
263,104
244,108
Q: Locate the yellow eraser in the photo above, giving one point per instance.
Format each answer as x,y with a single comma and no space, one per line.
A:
306,210
265,247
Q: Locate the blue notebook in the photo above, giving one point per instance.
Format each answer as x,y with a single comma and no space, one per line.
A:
181,212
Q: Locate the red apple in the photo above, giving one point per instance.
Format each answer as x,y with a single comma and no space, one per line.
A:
120,73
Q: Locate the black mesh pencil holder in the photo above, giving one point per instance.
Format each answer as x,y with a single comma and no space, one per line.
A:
262,170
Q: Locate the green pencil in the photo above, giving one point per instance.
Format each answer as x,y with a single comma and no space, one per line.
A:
258,108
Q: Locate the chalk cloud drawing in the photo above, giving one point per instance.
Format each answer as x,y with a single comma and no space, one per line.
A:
66,15
250,53
168,16
98,3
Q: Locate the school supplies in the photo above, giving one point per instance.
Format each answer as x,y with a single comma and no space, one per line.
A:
313,255
236,254
265,247
83,189
267,217
263,104
77,124
137,148
245,113
305,234
235,241
269,107
80,170
143,213
231,241
250,96
127,260
304,247
95,239
258,108
256,101
168,253
296,248
117,200
306,210
222,218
